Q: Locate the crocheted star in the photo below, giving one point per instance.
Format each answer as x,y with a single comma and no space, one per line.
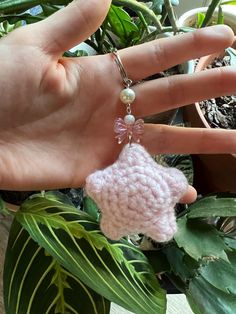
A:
137,195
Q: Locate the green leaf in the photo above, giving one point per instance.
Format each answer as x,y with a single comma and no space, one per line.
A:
200,19
220,205
221,274
207,299
122,25
117,270
200,240
90,207
182,264
228,2
34,282
220,16
158,261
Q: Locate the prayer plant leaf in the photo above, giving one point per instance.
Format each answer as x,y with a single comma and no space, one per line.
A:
34,282
117,270
200,240
221,205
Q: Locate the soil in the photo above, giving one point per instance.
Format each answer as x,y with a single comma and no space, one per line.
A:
220,112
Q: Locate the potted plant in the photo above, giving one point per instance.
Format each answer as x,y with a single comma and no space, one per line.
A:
218,12
215,172
57,259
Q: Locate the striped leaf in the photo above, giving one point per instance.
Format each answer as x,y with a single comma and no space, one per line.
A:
117,270
34,282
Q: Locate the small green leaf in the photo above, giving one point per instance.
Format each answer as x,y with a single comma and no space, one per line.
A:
122,25
220,17
90,207
220,205
34,282
200,240
200,19
228,2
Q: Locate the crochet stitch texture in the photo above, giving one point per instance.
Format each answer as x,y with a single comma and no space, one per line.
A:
137,195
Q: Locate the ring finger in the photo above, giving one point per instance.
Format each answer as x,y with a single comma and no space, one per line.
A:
175,91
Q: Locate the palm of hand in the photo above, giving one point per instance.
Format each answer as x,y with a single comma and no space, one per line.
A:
60,133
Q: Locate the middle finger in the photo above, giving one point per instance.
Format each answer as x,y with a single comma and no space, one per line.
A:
152,57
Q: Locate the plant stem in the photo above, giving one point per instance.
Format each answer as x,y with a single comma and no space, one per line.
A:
137,6
210,11
103,28
143,21
155,33
171,15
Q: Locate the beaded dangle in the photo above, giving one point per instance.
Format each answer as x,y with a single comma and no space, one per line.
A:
127,128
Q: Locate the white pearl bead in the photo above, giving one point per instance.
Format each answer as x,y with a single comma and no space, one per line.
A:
127,96
129,119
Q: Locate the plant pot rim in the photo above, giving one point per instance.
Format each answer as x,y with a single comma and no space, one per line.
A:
190,16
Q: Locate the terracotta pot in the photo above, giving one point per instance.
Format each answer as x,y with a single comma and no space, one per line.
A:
216,172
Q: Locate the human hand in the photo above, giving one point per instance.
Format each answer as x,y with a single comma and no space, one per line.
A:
57,113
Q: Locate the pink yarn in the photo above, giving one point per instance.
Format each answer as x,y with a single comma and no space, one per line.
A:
136,195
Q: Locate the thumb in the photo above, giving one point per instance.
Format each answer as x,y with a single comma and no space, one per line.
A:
71,25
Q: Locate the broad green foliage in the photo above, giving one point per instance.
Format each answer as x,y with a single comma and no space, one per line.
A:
122,26
203,258
217,271
117,270
34,282
208,299
200,239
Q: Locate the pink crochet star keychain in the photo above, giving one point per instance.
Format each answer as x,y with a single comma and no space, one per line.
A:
135,194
